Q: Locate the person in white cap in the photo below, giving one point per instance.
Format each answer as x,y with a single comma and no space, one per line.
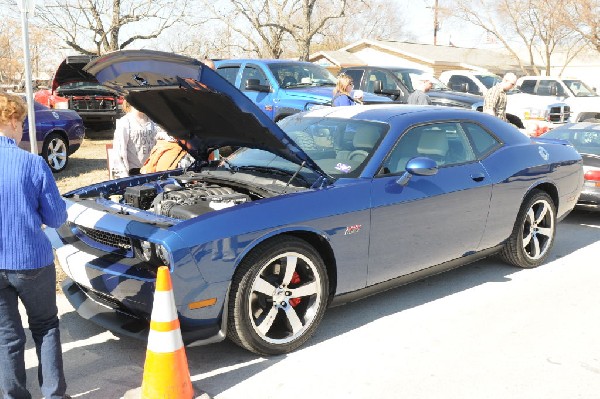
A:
419,96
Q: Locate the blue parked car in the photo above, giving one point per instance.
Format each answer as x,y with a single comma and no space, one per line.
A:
284,87
59,133
331,206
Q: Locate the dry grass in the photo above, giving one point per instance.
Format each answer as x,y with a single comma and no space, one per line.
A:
86,166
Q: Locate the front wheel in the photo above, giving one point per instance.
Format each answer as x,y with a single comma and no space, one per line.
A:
533,233
55,152
278,297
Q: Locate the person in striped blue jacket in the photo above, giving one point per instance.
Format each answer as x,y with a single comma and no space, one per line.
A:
29,199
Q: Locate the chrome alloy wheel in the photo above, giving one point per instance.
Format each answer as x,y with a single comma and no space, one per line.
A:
538,230
284,298
56,153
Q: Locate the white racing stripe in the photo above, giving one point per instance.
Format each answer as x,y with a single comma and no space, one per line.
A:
73,262
95,219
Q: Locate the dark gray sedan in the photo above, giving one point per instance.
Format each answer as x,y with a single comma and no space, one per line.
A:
585,137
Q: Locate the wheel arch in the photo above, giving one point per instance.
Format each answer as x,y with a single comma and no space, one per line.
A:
549,189
316,239
60,132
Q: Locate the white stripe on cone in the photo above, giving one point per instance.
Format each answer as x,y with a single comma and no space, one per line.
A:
164,342
163,308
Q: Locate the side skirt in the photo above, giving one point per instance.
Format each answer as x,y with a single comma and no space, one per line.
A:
345,298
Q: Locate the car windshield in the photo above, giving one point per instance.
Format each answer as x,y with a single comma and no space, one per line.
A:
340,147
410,77
294,75
489,80
586,140
579,89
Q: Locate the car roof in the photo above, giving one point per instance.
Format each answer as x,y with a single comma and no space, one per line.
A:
262,61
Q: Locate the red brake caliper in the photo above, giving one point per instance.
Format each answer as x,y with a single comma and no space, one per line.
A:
295,280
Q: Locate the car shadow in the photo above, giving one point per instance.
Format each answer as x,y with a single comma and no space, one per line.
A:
116,363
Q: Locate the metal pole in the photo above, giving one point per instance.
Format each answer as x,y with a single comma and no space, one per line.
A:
435,22
28,88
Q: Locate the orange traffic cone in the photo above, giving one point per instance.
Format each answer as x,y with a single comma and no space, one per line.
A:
166,373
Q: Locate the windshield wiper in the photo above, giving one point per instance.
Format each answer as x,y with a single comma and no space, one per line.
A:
231,167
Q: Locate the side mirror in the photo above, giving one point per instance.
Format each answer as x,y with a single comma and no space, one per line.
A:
378,89
553,90
419,166
254,85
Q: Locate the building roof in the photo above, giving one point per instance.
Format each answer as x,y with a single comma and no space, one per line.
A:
427,54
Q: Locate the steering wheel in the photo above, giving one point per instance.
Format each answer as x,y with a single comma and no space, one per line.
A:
358,153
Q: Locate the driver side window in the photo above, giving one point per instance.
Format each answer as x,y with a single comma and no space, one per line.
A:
251,72
446,143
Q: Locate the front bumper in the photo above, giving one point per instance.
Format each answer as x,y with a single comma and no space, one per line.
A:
105,312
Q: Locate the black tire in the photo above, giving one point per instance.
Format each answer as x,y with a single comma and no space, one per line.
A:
533,234
265,315
56,152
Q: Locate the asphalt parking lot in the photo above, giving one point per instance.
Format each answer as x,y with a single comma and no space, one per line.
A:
486,330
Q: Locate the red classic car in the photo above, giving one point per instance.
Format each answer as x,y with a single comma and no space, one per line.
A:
72,88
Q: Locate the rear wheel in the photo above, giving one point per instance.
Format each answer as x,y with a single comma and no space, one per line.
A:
55,152
278,297
533,233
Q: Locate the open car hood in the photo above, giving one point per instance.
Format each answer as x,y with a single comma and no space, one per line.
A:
71,70
193,103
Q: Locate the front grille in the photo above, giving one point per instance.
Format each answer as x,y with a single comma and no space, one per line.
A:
92,103
559,114
109,239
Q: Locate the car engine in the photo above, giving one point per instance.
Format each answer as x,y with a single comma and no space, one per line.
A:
185,200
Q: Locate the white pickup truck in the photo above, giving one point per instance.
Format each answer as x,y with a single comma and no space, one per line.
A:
526,110
584,101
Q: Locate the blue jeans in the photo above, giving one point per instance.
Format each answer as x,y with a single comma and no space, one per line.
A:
37,290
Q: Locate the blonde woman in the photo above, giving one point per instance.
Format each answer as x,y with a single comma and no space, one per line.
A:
342,90
135,135
29,198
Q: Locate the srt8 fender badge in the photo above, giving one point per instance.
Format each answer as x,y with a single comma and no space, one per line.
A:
352,229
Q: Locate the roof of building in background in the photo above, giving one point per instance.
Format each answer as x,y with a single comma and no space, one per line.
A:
438,57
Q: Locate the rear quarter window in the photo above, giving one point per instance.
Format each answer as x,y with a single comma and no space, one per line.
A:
483,142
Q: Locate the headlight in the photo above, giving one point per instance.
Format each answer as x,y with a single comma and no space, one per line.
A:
61,105
162,254
146,251
155,254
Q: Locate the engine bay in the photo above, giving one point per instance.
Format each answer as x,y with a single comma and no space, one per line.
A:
182,197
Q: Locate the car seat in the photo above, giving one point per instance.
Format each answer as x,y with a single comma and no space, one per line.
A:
433,144
364,140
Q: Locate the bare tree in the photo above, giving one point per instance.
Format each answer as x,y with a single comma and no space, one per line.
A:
100,26
584,17
268,26
377,20
535,25
11,61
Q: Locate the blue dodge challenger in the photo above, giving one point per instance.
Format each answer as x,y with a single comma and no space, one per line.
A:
327,207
